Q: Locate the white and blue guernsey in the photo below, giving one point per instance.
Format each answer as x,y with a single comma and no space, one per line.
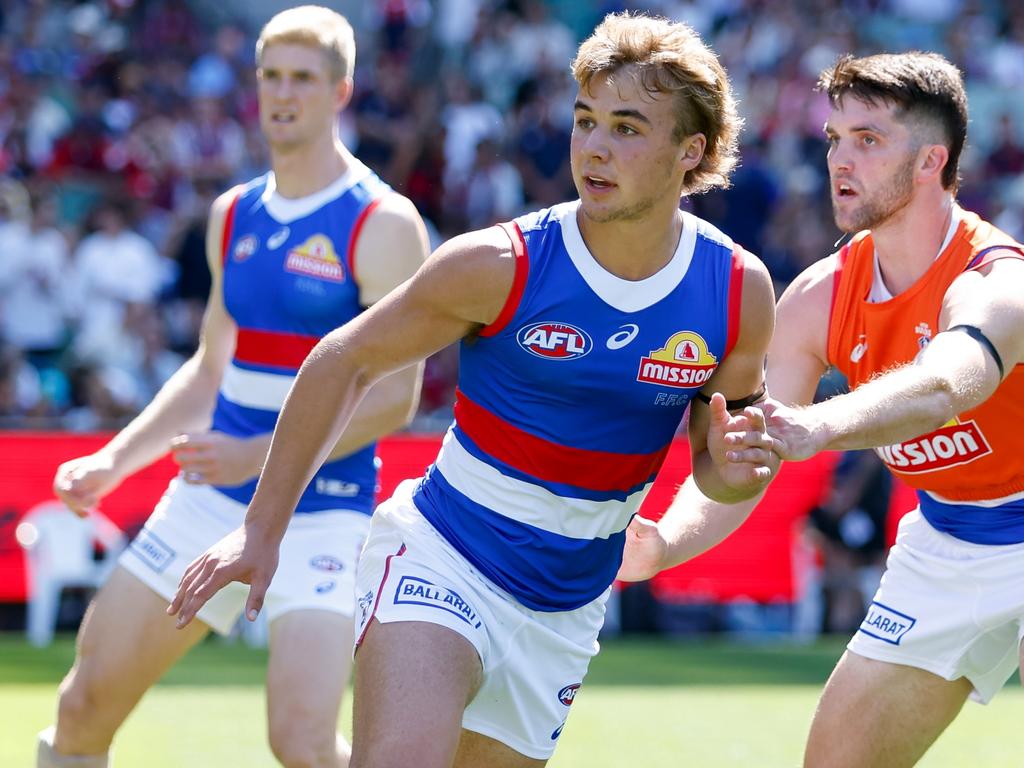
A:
288,280
568,404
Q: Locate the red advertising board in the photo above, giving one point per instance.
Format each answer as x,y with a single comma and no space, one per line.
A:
755,562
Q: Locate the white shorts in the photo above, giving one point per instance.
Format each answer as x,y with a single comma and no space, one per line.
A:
533,661
947,606
316,569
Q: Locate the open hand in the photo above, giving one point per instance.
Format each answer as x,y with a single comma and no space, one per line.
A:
216,458
795,436
238,557
740,447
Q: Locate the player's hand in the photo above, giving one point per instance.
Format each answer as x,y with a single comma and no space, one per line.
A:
796,436
82,482
215,458
740,447
241,556
644,553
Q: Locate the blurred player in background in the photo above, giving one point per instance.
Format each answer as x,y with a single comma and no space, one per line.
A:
925,310
586,330
294,254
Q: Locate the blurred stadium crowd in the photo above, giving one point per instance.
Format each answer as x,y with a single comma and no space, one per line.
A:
120,120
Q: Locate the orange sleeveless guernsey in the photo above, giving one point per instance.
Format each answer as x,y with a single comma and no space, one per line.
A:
979,455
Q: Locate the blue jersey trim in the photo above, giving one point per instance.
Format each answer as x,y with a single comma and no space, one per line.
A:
544,571
978,525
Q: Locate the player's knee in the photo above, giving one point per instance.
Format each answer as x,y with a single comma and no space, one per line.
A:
297,745
79,701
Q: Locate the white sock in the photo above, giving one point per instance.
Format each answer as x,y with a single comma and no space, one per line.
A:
47,756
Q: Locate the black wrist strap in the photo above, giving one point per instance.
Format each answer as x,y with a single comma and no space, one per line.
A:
743,402
975,333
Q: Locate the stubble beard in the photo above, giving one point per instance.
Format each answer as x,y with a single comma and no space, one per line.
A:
894,196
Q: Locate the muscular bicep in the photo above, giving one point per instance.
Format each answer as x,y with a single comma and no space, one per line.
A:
798,353
741,372
392,245
990,300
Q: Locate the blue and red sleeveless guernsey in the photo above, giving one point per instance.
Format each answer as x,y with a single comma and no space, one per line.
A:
568,402
288,280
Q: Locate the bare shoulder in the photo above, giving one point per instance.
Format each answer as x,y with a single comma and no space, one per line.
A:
216,224
390,248
814,284
474,271
757,314
803,311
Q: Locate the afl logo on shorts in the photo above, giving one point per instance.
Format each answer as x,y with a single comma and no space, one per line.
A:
245,247
555,341
568,694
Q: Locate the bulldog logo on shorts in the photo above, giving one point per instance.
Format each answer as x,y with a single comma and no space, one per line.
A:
415,591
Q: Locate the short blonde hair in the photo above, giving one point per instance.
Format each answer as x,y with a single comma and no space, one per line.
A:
317,27
669,57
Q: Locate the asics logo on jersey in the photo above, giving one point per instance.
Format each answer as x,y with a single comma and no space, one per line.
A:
858,351
627,333
555,341
947,446
277,239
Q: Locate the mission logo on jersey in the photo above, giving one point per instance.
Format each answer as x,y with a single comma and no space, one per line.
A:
952,444
683,362
555,341
316,258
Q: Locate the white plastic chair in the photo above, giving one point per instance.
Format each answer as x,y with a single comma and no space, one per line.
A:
59,552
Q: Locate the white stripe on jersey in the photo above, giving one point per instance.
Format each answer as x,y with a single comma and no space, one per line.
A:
255,389
531,504
980,502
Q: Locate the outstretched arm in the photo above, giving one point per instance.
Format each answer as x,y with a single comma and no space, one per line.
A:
462,287
957,371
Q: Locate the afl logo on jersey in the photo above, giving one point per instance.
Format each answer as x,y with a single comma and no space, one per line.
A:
245,247
555,341
568,694
683,362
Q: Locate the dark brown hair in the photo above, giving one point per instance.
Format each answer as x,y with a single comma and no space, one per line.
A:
924,88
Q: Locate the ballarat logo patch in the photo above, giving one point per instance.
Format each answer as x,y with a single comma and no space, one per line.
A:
683,362
316,258
153,552
886,624
415,591
555,341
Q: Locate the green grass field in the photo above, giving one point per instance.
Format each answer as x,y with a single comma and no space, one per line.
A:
646,703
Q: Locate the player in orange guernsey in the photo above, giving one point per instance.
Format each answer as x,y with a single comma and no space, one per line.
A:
923,311
926,319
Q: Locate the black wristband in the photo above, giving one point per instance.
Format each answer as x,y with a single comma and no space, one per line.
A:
743,402
975,333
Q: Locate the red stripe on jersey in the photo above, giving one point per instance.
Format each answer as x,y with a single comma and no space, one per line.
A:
285,350
380,591
518,281
357,229
550,462
229,222
735,299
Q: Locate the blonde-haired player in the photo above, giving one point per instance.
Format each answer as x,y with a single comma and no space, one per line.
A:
293,254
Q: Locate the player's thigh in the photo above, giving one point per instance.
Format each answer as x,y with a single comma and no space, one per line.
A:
127,641
476,750
417,674
308,669
879,713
